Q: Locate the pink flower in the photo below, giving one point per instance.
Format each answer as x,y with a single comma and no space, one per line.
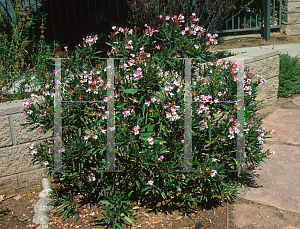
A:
86,137
157,47
91,177
273,152
46,163
95,136
160,158
150,141
136,129
213,173
150,182
33,152
183,176
214,159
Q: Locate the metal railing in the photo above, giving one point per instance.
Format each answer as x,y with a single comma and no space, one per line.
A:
259,20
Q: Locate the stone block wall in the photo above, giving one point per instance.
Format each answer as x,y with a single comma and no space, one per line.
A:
16,170
290,24
265,63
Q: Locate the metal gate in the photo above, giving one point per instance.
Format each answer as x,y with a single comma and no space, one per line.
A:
250,17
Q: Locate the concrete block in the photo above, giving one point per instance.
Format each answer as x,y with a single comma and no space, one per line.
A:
273,66
291,29
8,183
13,161
34,176
293,18
268,90
260,68
5,136
22,136
14,107
293,6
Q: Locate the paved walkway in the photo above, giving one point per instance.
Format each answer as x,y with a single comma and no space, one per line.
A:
291,49
278,181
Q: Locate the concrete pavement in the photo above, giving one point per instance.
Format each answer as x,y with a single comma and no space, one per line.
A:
291,49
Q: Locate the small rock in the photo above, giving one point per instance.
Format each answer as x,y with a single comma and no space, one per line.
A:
45,193
42,207
41,219
44,226
46,183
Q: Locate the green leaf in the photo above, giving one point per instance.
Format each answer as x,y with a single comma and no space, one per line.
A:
121,105
150,128
129,220
61,207
27,124
147,134
118,226
142,98
109,44
105,202
144,189
131,90
33,128
159,140
107,209
144,109
209,130
144,127
138,184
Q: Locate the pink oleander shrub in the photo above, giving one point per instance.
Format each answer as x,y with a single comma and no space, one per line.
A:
149,122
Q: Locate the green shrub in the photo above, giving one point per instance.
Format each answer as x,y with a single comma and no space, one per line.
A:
289,75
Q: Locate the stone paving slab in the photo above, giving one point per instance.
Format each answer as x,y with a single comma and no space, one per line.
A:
296,101
286,123
278,180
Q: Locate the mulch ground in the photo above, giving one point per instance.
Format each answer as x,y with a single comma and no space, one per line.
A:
16,211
